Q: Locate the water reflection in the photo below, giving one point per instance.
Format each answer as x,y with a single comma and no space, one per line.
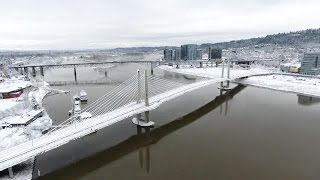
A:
140,142
144,152
307,100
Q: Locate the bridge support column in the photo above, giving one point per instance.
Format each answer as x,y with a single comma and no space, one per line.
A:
222,73
34,71
151,67
222,86
41,71
138,120
228,69
10,172
75,73
25,69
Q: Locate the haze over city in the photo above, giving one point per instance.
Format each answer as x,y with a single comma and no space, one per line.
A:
80,24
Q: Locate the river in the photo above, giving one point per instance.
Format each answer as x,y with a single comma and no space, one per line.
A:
252,133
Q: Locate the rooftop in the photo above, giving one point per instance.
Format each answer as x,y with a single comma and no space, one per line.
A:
13,85
23,119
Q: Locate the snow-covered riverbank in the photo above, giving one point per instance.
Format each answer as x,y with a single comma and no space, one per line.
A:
295,84
15,135
300,85
215,72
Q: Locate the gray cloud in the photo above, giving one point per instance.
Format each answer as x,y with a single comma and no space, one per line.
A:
76,24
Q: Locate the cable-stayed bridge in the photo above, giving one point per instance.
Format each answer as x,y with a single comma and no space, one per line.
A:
140,93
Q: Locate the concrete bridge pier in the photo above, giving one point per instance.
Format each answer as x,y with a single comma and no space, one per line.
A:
75,73
222,86
10,172
25,69
21,71
151,67
41,71
34,71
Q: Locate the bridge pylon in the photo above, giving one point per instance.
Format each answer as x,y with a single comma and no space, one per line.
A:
138,120
225,87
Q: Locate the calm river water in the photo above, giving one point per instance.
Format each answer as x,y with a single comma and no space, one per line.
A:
251,133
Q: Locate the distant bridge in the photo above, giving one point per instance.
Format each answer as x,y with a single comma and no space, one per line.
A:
24,69
83,64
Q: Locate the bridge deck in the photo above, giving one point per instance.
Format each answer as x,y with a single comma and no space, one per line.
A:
82,64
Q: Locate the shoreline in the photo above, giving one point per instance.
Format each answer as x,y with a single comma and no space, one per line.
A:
38,93
291,83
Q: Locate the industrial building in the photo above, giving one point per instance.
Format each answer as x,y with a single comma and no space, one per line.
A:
310,64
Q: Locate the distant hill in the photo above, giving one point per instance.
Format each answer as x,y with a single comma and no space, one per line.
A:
298,39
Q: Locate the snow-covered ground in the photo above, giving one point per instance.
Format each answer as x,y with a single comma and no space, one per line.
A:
300,85
215,72
16,135
6,104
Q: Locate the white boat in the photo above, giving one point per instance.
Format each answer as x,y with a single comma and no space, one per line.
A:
76,108
83,96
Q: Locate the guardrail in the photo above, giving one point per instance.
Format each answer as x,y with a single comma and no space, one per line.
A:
63,83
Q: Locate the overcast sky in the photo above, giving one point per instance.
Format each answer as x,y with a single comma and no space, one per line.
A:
79,24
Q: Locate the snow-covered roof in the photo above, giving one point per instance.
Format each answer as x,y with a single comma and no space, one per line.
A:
13,85
298,65
23,119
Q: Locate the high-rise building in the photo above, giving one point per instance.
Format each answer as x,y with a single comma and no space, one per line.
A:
310,64
168,54
215,53
199,54
189,52
177,54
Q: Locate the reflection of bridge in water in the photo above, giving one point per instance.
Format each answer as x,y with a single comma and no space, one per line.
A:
144,138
